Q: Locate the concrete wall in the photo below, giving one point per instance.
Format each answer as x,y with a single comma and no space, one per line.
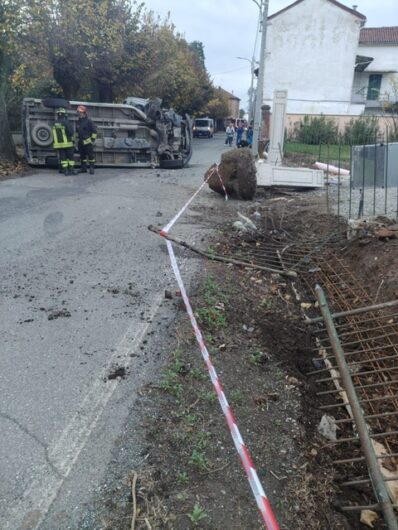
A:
311,50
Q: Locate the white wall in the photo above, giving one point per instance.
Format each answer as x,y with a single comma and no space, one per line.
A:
311,50
385,62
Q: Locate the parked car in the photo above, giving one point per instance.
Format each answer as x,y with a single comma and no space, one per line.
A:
129,135
203,127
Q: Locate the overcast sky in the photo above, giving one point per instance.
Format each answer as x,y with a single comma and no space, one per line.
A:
227,29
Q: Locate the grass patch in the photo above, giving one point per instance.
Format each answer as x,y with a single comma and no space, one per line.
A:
170,380
212,315
320,153
198,460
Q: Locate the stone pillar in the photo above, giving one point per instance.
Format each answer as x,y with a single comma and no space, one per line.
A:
265,129
277,136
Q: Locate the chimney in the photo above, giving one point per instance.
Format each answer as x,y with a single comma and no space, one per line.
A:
355,7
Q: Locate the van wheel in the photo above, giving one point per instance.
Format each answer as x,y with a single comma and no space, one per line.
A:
177,163
54,103
42,134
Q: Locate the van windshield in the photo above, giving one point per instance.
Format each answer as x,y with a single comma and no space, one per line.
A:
202,123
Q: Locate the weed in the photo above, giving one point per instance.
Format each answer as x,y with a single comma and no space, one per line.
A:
236,396
212,292
179,437
183,478
258,357
266,303
198,460
197,514
191,419
199,374
182,496
212,315
208,396
202,440
170,383
177,365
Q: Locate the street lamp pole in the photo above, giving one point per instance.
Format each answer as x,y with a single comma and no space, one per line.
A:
252,63
263,6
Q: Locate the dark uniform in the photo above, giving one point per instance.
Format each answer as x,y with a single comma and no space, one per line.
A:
63,142
86,133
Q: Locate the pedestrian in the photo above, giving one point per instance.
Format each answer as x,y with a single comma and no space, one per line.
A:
63,142
86,133
230,132
249,135
239,134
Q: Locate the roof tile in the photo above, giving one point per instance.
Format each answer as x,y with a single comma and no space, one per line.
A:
384,35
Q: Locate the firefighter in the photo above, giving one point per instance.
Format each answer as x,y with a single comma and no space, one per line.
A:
63,142
86,133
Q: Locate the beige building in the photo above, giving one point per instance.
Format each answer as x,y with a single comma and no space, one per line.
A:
233,103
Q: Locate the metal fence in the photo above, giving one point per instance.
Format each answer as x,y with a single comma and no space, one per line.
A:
371,187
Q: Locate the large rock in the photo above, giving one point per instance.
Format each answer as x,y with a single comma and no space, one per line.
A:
237,172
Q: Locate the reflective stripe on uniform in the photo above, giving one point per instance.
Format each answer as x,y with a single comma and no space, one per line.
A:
59,136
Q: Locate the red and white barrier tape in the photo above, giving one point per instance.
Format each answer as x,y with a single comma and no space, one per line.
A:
222,183
255,484
168,227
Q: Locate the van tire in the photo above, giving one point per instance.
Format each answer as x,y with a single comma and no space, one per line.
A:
54,103
42,134
171,164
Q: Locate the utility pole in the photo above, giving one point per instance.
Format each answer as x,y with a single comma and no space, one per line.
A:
251,93
263,6
251,100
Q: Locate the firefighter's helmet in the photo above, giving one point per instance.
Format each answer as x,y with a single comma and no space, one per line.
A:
61,111
82,108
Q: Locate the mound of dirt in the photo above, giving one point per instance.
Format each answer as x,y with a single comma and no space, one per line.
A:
237,173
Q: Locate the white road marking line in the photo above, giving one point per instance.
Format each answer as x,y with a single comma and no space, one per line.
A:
38,497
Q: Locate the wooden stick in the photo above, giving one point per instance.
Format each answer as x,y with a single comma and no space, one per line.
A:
133,484
216,257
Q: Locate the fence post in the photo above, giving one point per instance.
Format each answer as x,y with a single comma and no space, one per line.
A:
351,175
362,199
386,172
338,183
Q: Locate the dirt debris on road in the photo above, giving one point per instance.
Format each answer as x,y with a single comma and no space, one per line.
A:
12,169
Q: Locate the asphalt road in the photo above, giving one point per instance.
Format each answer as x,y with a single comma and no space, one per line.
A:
82,295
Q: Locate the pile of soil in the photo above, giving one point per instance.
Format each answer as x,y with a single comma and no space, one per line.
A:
236,173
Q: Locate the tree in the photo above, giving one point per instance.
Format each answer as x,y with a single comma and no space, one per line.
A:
218,107
83,42
197,48
101,50
7,26
390,107
171,70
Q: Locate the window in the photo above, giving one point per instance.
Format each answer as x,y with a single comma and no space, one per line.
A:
374,86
